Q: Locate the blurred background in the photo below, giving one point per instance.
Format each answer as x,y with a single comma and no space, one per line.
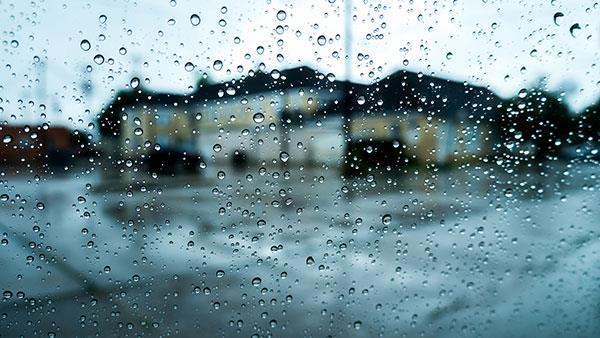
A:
335,168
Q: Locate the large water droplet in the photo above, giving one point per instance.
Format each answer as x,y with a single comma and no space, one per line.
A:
386,219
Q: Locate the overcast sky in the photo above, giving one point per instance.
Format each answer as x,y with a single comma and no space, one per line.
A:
507,45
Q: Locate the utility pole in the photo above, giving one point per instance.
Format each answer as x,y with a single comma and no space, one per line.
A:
346,98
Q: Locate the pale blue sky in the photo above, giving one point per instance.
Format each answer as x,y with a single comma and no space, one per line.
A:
504,44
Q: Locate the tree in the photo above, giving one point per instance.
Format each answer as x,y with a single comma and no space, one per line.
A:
536,116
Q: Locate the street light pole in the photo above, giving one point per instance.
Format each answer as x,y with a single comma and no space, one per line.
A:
346,98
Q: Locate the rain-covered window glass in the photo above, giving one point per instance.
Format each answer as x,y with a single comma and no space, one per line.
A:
278,168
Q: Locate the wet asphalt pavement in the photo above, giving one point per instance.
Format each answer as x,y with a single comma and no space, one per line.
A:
474,251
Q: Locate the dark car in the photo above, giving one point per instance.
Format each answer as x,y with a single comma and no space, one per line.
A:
173,161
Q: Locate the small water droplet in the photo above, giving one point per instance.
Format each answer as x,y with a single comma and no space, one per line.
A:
85,45
99,59
281,15
321,40
558,17
258,117
275,74
575,27
189,66
218,65
135,82
195,20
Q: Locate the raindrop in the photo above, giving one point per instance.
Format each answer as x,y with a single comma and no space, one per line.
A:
386,219
256,281
99,59
134,83
7,138
258,117
40,206
321,40
558,17
218,65
281,15
138,131
85,45
310,260
275,74
220,273
361,100
284,157
449,56
574,28
195,20
189,66
102,18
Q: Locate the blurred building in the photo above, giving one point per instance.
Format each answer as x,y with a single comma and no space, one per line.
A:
38,146
253,119
428,119
296,116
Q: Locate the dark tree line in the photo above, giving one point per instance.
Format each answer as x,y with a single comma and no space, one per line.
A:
543,119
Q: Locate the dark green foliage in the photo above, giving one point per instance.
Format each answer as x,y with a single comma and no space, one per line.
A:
537,117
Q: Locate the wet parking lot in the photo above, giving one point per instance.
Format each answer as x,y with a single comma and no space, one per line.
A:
303,252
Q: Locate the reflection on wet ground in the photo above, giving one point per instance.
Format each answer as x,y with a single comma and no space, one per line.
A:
474,251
